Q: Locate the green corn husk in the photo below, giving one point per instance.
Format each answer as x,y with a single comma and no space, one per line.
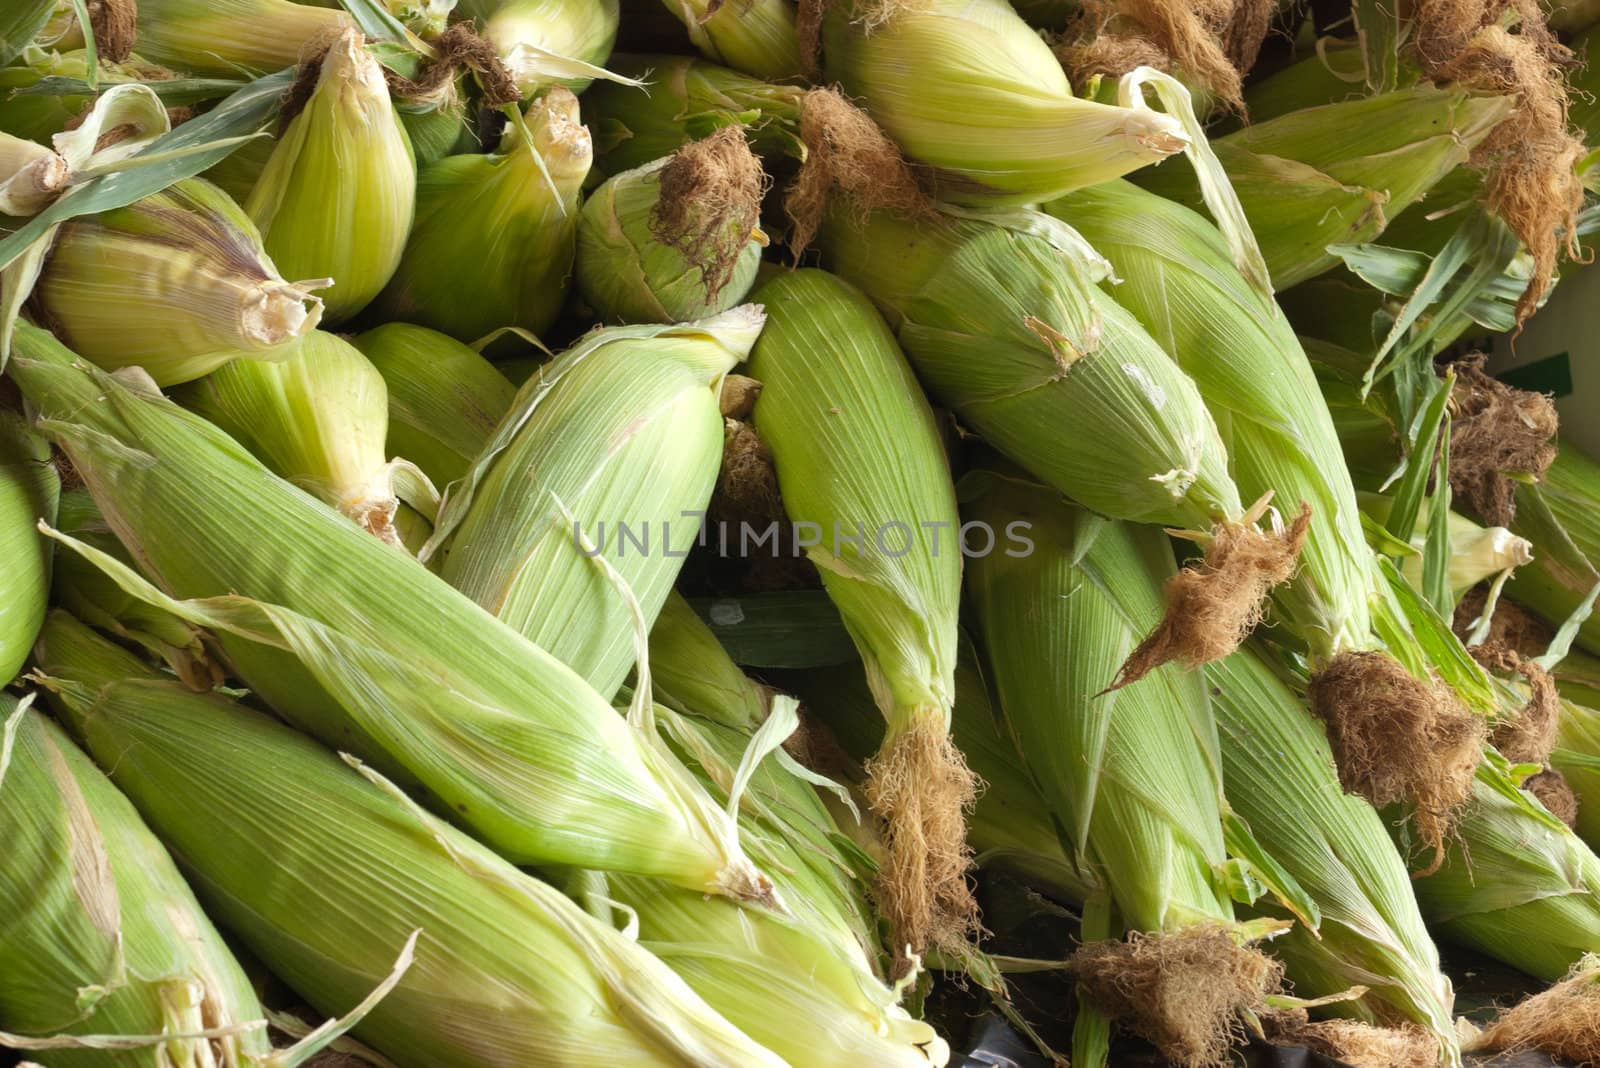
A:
93,597
1132,775
576,461
426,18
220,36
755,37
20,23
39,116
342,167
690,670
1279,776
858,454
1577,757
972,91
31,176
444,399
637,265
238,174
1560,515
685,100
440,130
362,646
176,283
1519,885
500,220
547,42
1477,553
319,418
29,491
506,969
102,936
1338,173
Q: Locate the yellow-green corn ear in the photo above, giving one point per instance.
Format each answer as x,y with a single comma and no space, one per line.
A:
506,969
102,935
974,92
1132,774
1179,280
94,597
336,198
780,982
176,283
1010,333
364,647
319,418
603,467
865,479
686,99
444,399
506,221
1577,757
29,492
1338,173
1518,884
547,42
31,176
220,36
757,37
1560,515
1477,553
661,244
1278,774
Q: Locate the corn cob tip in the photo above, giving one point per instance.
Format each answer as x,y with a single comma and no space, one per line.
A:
1186,991
1212,606
1396,738
1563,1021
282,311
1353,1042
920,786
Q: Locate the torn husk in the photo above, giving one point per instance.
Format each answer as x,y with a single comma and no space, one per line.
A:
1563,1021
1398,739
1213,606
1185,991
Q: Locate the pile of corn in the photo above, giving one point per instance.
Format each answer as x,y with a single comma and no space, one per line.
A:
549,532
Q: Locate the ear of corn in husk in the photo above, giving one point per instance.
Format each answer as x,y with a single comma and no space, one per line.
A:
548,42
1279,776
690,670
31,176
686,100
1476,553
779,982
506,968
524,197
677,239
341,167
1338,173
1518,886
1179,280
1133,775
319,418
756,37
580,468
838,402
220,36
29,493
1003,322
102,936
1577,757
973,92
176,283
362,646
93,597
444,399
